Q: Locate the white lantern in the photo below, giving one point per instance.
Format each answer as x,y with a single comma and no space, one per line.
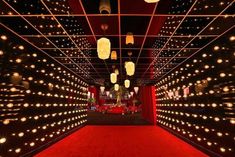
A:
102,88
113,77
127,83
130,68
136,89
151,1
103,48
116,87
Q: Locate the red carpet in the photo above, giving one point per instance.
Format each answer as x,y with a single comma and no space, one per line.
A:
121,141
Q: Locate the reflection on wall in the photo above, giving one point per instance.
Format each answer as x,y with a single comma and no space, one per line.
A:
39,99
196,101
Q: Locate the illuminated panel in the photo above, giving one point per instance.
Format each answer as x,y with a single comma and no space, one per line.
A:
196,100
40,100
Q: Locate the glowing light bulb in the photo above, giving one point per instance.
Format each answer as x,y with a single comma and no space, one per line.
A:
3,140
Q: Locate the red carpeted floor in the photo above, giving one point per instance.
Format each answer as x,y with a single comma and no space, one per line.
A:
121,141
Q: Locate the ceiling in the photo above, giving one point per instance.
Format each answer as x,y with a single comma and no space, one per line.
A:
166,34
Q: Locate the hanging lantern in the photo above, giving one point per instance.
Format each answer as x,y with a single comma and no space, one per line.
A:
116,87
130,68
105,7
103,48
16,78
151,1
102,88
114,55
107,93
132,93
129,38
136,89
116,71
113,77
127,83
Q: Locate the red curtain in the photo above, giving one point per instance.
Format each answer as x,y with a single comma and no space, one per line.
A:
148,99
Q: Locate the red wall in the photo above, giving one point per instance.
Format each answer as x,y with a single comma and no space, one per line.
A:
94,90
147,96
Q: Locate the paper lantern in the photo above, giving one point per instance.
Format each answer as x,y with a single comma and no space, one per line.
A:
136,89
114,55
107,93
130,68
129,38
127,83
113,78
105,7
116,71
103,48
102,88
116,87
151,1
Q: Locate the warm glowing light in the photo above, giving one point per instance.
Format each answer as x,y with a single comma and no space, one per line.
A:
130,68
21,134
219,60
18,60
3,140
114,55
127,83
216,48
3,37
232,38
129,38
21,47
116,71
116,87
113,78
103,48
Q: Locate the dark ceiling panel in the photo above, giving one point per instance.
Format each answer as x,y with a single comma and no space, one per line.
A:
135,24
136,7
164,38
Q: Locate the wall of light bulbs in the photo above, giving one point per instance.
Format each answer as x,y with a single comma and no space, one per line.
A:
40,100
196,100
